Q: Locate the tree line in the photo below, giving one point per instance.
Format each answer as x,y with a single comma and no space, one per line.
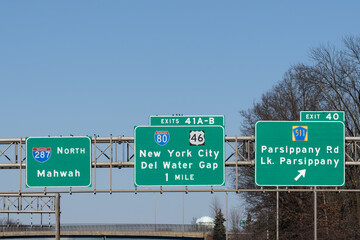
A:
331,82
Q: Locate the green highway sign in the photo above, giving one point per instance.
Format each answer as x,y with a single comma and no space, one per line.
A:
58,162
242,223
322,116
195,120
179,156
299,153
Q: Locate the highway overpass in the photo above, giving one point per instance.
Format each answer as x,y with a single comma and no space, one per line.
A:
108,231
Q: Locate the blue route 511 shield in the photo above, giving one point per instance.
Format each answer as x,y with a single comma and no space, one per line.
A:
162,137
41,154
300,133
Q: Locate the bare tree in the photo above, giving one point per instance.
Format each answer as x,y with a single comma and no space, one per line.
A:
234,220
215,206
331,83
337,74
283,102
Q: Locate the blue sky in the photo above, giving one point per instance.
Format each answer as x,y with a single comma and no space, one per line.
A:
102,67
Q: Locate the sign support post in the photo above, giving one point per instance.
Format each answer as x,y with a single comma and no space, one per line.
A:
315,213
57,227
277,212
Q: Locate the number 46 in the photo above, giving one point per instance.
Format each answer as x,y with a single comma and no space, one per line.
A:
197,138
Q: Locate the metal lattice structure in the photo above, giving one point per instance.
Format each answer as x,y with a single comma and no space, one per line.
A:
116,153
28,204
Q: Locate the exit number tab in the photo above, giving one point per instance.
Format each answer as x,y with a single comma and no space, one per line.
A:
189,120
329,116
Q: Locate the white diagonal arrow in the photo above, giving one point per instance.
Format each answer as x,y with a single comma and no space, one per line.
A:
301,173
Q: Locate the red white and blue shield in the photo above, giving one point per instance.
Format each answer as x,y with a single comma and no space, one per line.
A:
162,137
41,154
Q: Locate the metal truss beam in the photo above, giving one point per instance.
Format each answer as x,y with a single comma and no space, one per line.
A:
27,203
118,152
